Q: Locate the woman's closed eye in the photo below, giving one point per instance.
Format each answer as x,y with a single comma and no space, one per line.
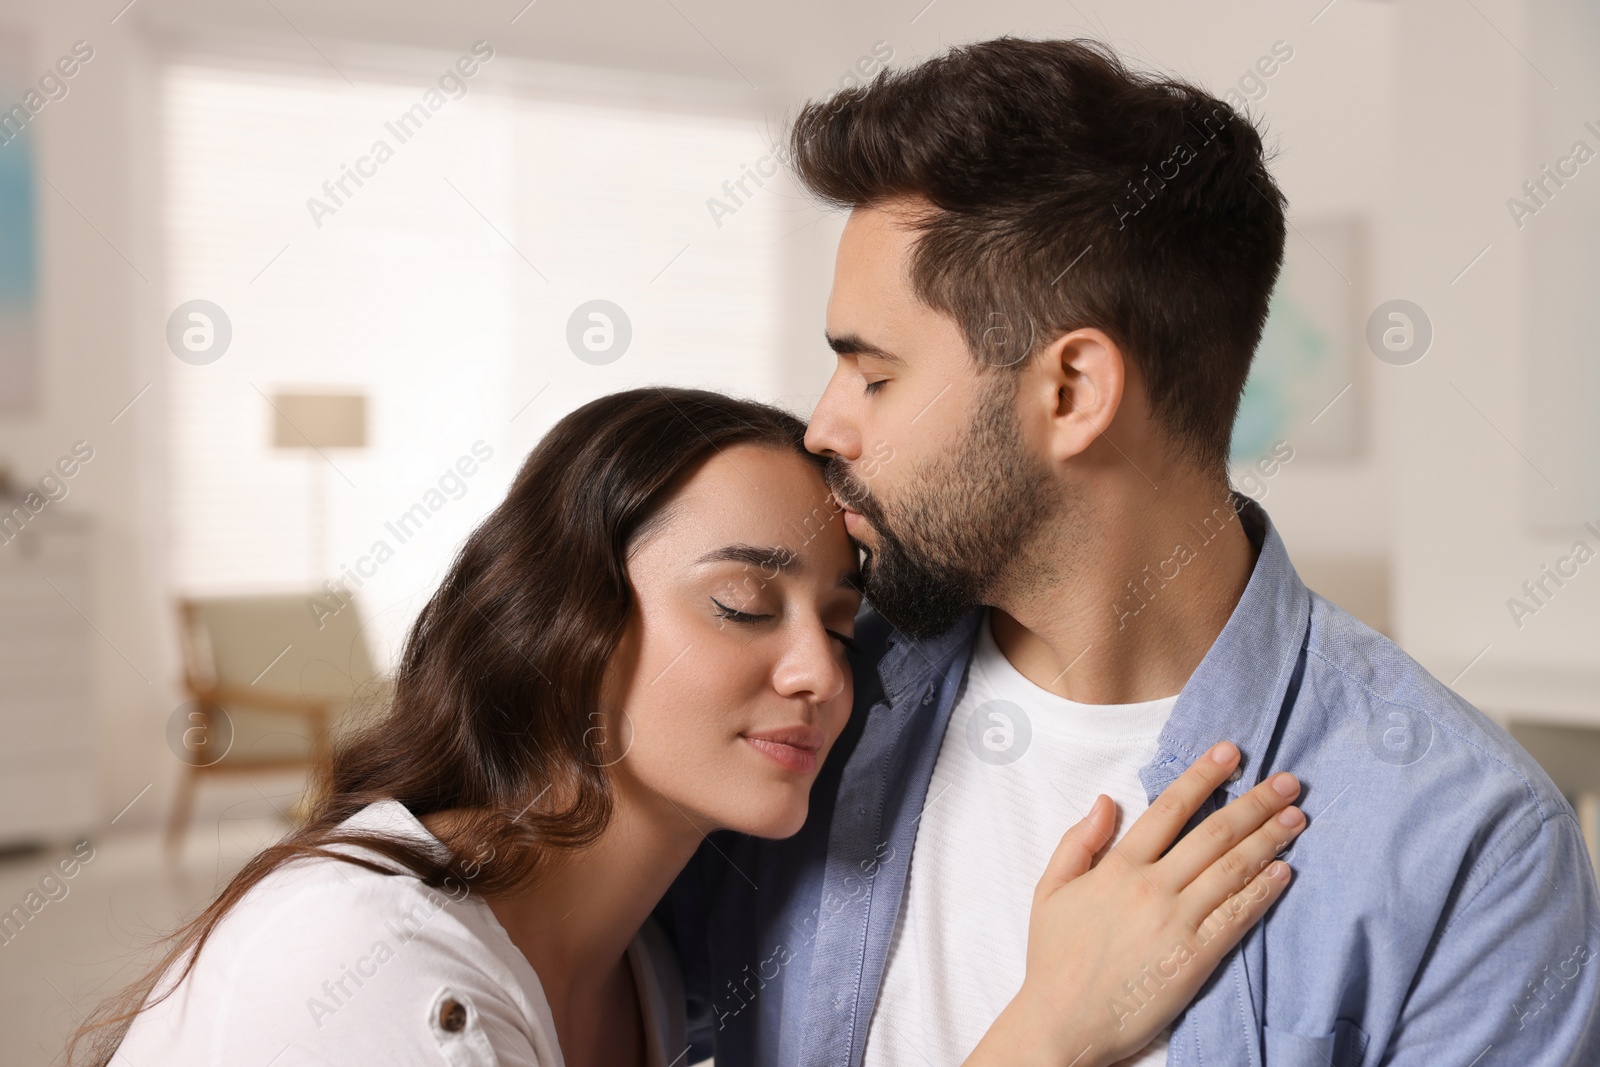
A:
723,611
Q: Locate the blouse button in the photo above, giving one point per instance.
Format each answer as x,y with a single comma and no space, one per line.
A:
452,1016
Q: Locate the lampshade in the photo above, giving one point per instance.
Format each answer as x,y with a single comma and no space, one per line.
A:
319,420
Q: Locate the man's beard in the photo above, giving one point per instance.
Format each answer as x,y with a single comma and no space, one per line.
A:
959,523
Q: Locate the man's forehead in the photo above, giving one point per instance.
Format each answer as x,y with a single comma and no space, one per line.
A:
871,292
878,239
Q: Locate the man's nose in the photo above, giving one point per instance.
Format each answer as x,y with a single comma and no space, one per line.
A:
832,431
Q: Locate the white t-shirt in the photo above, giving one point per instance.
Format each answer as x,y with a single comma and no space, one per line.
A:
327,963
1018,766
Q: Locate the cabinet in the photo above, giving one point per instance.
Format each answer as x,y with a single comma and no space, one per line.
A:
47,730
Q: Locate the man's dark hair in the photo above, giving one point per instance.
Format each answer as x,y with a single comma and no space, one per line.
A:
1069,192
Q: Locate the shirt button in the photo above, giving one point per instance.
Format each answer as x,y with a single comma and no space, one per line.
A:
452,1016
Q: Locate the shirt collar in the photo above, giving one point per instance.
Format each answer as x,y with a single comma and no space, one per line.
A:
908,662
1237,692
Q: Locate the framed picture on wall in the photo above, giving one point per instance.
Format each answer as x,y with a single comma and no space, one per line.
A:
1305,385
19,365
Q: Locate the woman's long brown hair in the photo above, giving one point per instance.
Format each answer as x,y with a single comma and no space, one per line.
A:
491,708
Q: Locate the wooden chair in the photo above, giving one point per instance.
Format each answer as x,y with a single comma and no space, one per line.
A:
266,681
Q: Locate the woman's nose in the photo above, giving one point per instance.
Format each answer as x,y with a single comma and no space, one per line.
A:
812,667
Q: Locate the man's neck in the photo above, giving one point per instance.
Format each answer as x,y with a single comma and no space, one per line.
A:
1127,612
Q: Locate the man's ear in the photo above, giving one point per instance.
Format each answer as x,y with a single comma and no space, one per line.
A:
1082,379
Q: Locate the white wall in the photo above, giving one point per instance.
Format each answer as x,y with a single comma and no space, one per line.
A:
99,267
1471,86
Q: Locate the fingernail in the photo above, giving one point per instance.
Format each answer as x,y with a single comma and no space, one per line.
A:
1285,784
1291,817
1279,870
1224,753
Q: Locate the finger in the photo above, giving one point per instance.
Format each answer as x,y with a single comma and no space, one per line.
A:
1246,860
1227,924
1226,828
1078,846
1161,823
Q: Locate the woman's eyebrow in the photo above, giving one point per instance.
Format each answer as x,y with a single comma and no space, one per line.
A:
775,558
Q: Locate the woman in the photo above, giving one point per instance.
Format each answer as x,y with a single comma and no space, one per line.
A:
641,645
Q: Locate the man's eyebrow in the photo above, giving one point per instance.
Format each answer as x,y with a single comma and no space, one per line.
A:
850,344
776,558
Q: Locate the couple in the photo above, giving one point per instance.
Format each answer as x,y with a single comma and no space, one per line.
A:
655,785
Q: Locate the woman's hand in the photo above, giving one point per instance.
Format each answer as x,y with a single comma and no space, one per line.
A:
1117,949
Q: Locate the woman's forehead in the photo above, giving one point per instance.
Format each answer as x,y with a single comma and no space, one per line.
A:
762,497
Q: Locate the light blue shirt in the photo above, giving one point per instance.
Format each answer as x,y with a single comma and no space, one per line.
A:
1443,909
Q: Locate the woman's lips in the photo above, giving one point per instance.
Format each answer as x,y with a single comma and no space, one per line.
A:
793,748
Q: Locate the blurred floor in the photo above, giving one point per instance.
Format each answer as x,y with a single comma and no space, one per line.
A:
84,945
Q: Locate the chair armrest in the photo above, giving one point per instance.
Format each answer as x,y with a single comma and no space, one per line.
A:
263,699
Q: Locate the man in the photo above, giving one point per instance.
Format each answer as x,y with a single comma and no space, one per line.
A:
1045,303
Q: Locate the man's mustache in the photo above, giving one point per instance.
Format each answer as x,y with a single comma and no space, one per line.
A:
848,489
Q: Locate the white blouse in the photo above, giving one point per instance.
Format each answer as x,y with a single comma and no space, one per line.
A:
327,963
